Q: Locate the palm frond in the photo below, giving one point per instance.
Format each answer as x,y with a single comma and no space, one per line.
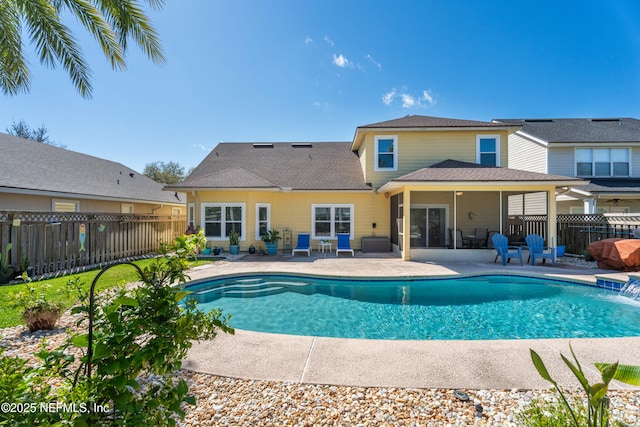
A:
54,43
95,23
14,68
127,19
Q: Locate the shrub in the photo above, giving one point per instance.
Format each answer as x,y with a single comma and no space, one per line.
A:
138,339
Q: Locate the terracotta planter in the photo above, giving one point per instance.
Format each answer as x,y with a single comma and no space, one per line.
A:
37,320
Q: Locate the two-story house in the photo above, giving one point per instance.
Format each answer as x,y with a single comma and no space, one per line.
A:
606,152
412,180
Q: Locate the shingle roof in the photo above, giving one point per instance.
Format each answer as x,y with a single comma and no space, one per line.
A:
30,165
280,165
580,130
457,171
432,122
629,186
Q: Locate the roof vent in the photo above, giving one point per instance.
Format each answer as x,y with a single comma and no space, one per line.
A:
268,145
301,145
538,120
605,120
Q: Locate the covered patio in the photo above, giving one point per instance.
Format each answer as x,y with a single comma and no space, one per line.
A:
447,212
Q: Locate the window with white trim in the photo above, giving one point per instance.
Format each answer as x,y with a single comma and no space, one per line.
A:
176,211
386,153
488,150
329,220
263,219
602,162
191,214
219,219
61,205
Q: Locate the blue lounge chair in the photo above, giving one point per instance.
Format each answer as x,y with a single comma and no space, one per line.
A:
537,249
304,244
343,244
501,244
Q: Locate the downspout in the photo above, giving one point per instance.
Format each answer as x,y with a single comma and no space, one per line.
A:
455,220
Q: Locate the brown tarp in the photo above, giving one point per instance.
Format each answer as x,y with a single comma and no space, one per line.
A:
616,254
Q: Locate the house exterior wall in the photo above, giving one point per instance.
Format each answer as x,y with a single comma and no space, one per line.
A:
29,202
525,154
420,149
293,210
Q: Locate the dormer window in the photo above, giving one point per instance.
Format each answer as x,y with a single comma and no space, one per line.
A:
386,153
488,150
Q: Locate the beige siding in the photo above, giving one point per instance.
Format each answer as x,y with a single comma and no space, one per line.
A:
22,202
534,204
561,161
528,155
417,150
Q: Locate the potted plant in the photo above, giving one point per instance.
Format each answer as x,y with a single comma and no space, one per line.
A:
270,239
38,312
207,249
234,246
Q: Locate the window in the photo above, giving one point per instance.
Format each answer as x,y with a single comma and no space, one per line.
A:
176,211
263,219
126,208
60,205
386,153
191,214
602,162
488,150
329,220
219,219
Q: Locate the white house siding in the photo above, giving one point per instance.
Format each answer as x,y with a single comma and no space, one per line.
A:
525,154
561,161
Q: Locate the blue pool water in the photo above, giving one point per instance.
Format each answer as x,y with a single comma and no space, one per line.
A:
463,308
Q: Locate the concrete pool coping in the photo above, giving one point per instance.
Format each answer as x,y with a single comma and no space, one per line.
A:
486,364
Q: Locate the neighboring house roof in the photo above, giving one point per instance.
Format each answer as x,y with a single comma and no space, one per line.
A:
31,167
279,166
612,187
416,123
579,130
450,171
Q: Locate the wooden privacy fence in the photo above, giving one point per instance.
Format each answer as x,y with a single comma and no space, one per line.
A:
47,242
576,231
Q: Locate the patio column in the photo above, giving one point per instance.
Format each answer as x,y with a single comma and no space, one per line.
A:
552,219
406,226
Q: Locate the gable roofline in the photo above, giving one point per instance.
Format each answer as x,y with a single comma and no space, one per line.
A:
416,123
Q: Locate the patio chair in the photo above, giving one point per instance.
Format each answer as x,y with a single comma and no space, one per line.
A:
481,237
343,244
501,244
461,242
537,249
304,245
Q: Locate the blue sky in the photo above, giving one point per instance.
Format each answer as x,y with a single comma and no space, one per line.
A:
299,70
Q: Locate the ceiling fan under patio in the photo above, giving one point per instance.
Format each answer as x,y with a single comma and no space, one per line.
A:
616,201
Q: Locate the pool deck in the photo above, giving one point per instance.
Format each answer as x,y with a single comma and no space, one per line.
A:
487,364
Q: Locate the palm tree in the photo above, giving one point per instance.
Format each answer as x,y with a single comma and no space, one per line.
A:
111,22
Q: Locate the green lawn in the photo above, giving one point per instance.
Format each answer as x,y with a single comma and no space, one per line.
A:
11,316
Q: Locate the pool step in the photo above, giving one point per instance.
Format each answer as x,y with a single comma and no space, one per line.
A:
245,288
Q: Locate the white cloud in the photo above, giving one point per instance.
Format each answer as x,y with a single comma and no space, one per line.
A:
328,40
409,100
308,40
201,147
387,98
373,61
426,95
341,61
321,105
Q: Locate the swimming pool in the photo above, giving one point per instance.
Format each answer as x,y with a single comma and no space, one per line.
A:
460,308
